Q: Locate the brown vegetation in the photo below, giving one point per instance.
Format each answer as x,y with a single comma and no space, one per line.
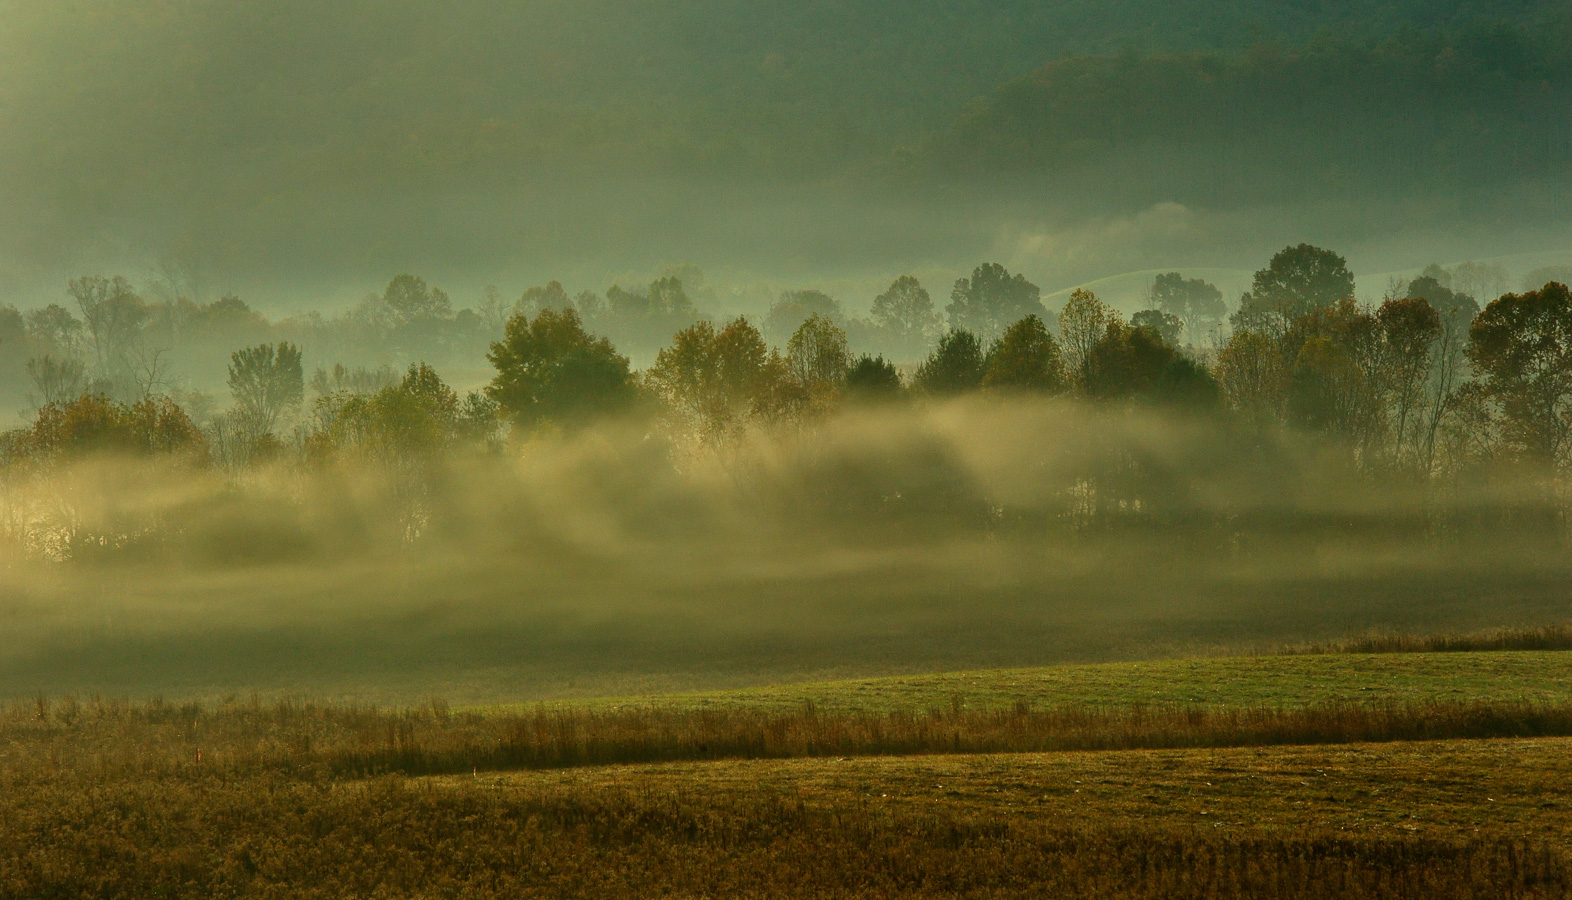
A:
388,839
293,799
164,740
112,801
1544,637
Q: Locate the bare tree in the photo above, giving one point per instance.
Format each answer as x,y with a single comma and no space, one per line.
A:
150,371
493,310
55,379
113,317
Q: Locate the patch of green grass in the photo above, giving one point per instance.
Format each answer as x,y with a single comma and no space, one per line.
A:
1219,681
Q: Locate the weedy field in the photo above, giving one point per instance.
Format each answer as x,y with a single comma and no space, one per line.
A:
1334,774
1271,680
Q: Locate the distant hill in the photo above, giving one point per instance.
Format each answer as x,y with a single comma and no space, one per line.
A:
1477,106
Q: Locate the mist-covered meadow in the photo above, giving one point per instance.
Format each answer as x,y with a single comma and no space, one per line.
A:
1037,487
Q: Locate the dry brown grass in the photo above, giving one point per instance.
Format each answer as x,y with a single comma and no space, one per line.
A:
622,832
103,799
1439,790
161,738
1545,637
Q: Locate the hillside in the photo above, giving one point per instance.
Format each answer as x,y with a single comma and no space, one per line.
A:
1472,109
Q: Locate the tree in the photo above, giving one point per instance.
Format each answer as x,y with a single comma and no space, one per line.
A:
668,300
149,371
409,300
418,415
590,306
1027,358
1335,382
1186,382
955,366
1195,302
267,382
712,381
1298,281
872,378
359,380
113,317
989,301
1520,347
1480,280
56,380
1254,375
404,422
1538,278
818,356
647,319
539,299
1456,311
1165,325
1410,328
55,329
493,310
226,317
1082,323
906,315
1444,300
16,344
1325,388
93,423
1126,361
627,304
550,369
795,307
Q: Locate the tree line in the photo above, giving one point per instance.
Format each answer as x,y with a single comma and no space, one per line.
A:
1422,382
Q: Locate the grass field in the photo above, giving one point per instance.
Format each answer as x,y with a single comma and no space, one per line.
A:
1324,775
1290,680
1520,789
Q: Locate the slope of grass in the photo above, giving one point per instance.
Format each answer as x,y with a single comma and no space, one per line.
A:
1459,819
104,799
1442,789
1291,680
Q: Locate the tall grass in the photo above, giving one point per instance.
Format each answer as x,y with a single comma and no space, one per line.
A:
1545,637
103,799
84,837
164,738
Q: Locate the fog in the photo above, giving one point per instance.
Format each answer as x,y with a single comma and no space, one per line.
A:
979,533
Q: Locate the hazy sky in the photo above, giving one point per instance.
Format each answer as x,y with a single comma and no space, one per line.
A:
303,153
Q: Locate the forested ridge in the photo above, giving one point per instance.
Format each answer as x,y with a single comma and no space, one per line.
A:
1478,106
